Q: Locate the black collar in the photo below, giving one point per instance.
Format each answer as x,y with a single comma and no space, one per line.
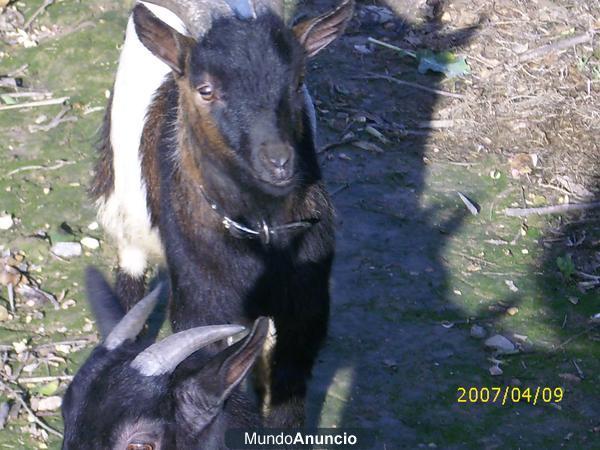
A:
265,233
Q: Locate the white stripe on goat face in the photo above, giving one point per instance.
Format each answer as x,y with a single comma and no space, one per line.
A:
125,213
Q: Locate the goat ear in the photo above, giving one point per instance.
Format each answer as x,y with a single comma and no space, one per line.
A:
316,34
209,387
105,304
164,42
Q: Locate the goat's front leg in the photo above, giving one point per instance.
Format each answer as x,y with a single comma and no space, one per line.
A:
297,345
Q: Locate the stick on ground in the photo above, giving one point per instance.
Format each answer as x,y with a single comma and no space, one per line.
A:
410,84
555,209
556,46
50,102
23,403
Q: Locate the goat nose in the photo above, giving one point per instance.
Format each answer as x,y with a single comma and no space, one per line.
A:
279,162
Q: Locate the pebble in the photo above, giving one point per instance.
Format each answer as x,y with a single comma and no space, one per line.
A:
500,344
4,316
66,249
6,221
512,310
46,404
90,243
495,371
478,332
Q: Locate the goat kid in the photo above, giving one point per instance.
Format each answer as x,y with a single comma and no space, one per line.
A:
234,187
120,186
132,394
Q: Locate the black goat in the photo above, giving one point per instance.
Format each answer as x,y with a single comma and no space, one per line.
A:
165,396
233,184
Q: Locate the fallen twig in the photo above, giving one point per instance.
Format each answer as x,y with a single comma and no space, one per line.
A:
572,338
18,71
60,163
56,121
49,102
477,259
30,94
393,47
85,340
556,46
333,145
37,12
11,297
554,209
34,380
587,276
436,124
411,84
340,189
24,404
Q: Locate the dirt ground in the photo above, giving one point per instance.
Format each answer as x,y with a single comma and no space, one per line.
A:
428,298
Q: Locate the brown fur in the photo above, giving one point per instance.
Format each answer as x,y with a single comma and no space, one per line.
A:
103,182
149,150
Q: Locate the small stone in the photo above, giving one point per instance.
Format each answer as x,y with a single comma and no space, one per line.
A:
4,315
511,285
570,377
500,344
6,221
495,371
46,403
20,346
65,349
390,364
93,226
87,327
478,332
66,249
68,304
512,310
573,300
40,119
90,243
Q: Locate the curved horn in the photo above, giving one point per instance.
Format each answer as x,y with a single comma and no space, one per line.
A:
197,15
164,356
133,322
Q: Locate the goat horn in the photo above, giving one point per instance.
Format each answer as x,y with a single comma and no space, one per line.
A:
133,322
164,356
197,15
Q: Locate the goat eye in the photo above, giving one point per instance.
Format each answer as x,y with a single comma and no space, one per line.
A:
137,446
206,92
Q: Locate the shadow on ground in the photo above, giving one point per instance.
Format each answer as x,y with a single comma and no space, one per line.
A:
400,344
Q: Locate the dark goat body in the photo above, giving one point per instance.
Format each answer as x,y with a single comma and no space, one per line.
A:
111,403
230,127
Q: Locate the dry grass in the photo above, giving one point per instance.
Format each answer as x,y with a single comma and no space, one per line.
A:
548,105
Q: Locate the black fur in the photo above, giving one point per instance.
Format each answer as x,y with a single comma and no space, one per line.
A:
130,288
220,148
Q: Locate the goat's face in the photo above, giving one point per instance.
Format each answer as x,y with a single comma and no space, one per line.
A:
130,395
241,91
